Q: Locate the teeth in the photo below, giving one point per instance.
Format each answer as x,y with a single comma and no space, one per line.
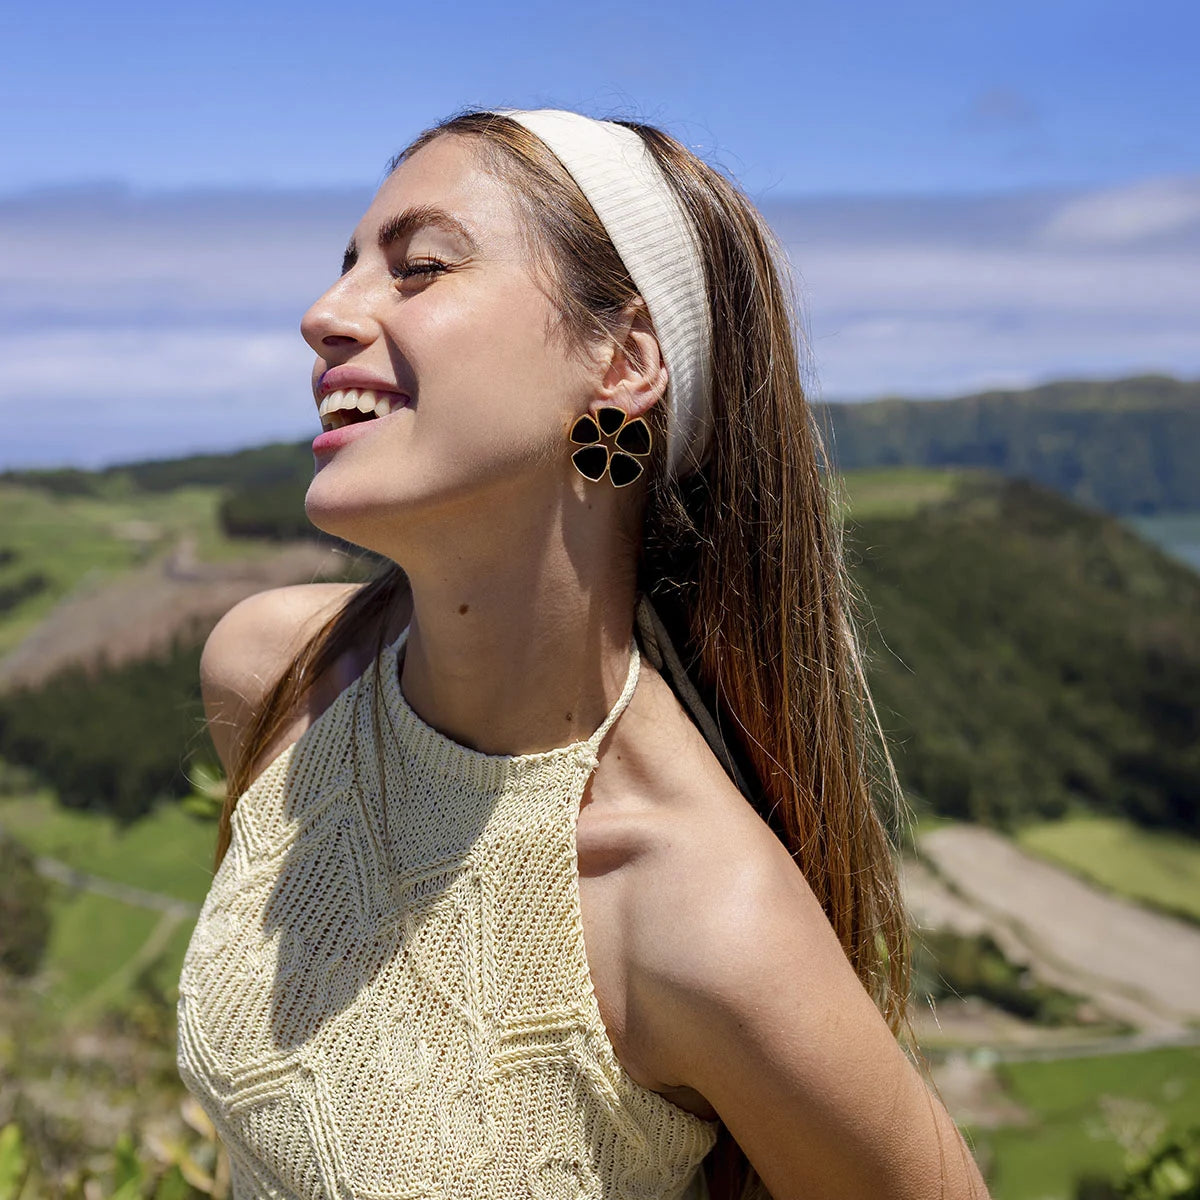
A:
363,400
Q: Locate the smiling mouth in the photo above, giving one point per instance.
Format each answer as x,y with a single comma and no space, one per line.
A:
350,405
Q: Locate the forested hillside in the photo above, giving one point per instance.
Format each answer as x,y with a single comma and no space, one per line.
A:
1129,446
1030,656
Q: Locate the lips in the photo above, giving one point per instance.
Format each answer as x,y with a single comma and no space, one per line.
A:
347,425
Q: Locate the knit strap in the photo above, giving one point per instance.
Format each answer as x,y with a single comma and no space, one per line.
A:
635,662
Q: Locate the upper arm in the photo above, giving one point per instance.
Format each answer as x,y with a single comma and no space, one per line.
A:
249,648
749,998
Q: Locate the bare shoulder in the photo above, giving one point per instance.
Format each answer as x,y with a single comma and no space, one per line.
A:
739,993
250,647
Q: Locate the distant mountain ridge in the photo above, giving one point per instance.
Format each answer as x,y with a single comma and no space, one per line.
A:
1128,446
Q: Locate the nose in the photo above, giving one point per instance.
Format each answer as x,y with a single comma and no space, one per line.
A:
338,318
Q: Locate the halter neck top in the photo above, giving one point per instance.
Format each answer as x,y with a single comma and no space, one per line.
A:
387,993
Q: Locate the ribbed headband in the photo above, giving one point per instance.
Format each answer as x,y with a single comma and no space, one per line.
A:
655,239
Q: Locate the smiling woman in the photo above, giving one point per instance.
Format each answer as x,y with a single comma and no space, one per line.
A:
551,864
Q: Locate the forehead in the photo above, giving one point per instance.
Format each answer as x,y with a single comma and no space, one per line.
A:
446,174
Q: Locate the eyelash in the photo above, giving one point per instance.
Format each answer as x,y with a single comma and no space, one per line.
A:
425,266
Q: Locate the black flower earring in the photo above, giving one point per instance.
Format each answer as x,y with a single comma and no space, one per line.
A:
631,442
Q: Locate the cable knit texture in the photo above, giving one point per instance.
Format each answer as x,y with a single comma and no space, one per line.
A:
387,992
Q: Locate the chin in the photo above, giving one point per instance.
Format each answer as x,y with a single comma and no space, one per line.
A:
392,523
350,512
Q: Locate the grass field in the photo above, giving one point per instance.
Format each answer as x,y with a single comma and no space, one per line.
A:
170,851
98,944
80,540
1082,1109
898,491
92,938
1155,868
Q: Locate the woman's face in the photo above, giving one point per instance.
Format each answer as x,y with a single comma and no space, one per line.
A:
453,326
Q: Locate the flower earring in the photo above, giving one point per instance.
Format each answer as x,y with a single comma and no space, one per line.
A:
631,442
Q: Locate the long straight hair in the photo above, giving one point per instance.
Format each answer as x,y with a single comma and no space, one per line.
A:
743,560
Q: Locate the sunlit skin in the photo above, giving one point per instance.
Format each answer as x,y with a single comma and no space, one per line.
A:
522,583
721,982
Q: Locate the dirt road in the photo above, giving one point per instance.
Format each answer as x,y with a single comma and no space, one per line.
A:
1135,964
136,614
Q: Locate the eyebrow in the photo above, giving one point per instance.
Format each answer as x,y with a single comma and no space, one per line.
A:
405,223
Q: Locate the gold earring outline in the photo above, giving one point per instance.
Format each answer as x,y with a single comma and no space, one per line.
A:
588,433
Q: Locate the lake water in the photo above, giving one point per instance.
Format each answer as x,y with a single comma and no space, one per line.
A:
1176,533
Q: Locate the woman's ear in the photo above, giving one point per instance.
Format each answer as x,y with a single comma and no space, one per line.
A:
635,377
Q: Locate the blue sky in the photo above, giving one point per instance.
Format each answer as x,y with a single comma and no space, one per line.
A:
792,97
972,194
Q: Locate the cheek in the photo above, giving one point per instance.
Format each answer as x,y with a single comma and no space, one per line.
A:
489,379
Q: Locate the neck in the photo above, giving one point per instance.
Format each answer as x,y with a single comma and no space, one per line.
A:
525,649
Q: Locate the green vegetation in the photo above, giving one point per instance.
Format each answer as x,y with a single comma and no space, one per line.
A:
168,851
24,909
946,963
131,1173
899,492
95,948
96,1109
1147,865
1127,446
1030,658
93,938
249,494
79,541
263,463
14,593
1169,1170
14,1163
113,738
269,510
1086,1116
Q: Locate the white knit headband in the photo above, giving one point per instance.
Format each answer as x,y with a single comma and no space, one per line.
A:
655,239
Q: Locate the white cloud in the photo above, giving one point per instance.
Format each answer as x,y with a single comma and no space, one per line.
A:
133,326
176,364
90,397
1122,215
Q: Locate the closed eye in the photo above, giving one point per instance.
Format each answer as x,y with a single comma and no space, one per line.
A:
419,266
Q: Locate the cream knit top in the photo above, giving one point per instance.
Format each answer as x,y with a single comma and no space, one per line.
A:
386,994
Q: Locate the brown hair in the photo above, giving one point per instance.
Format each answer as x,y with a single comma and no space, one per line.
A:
743,560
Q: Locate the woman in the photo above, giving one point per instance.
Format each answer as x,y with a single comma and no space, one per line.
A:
551,865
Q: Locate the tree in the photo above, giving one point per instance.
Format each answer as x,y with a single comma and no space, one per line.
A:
24,911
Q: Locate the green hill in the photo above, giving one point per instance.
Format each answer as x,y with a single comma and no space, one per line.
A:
1030,656
1129,446
270,464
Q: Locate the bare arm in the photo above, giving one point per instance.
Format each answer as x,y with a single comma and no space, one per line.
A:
747,996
